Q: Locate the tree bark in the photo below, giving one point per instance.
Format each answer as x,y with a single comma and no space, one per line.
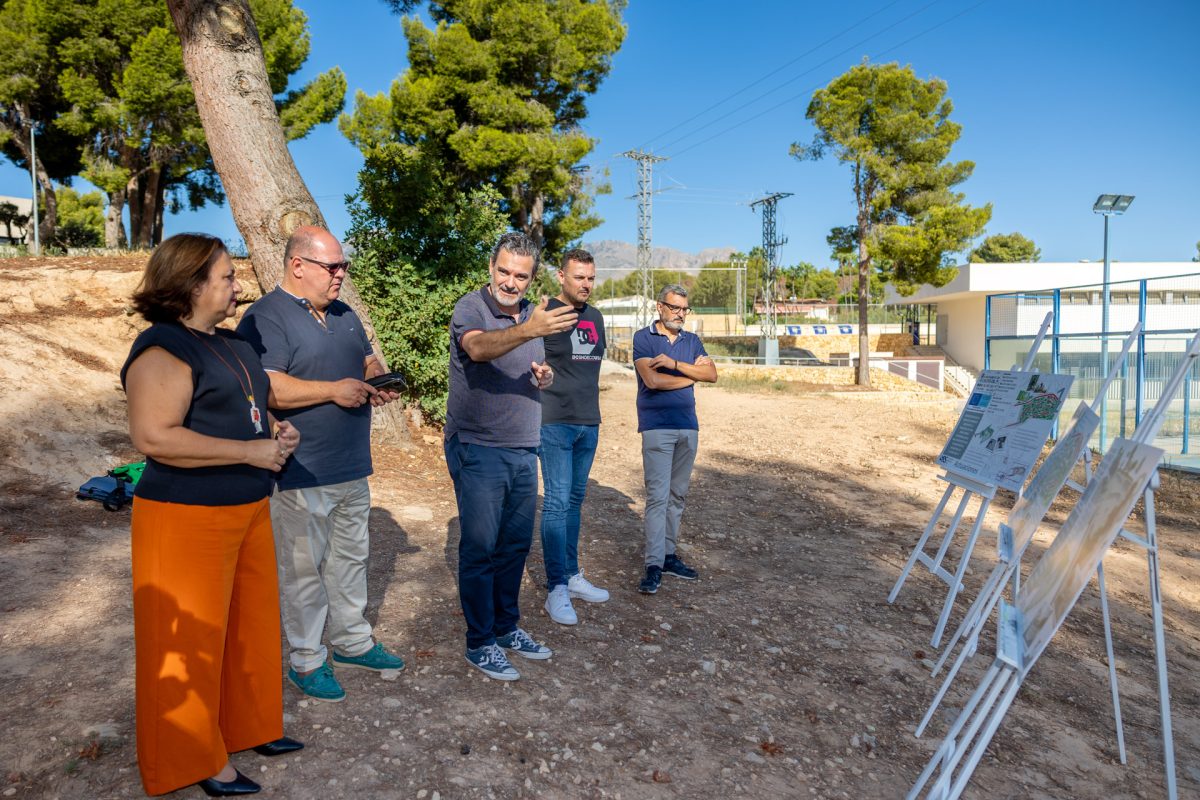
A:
141,224
223,57
114,221
862,376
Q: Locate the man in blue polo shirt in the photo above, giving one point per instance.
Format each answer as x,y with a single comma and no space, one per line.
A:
317,355
669,362
493,429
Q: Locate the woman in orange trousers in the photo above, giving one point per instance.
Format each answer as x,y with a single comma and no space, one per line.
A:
206,603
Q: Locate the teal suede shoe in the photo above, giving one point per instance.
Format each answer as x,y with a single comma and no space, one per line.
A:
319,684
376,658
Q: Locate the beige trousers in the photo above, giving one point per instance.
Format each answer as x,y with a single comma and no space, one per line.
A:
321,544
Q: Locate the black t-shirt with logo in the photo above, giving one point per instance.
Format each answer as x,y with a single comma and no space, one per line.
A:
575,356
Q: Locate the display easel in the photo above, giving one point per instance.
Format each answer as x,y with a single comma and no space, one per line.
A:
960,752
970,487
1012,548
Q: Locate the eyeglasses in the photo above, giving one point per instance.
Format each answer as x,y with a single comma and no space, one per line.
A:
675,309
330,268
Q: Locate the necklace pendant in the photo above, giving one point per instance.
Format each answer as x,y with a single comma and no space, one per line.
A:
256,418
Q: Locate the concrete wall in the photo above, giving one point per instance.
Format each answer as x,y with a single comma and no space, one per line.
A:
965,325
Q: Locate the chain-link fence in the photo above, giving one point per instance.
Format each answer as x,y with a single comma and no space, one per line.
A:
1169,311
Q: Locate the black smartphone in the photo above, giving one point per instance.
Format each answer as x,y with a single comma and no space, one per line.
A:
389,382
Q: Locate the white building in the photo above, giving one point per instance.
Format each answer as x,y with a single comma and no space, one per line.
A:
18,233
962,303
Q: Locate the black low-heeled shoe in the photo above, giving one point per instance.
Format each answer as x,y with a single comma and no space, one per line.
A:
239,785
279,747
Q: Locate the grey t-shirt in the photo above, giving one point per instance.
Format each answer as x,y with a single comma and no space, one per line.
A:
493,403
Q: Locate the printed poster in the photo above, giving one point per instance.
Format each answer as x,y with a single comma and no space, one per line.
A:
1048,481
1063,571
1000,432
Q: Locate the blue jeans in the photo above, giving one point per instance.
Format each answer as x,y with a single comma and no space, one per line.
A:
496,489
567,452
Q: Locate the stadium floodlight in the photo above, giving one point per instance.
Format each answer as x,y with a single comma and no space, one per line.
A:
1108,205
1112,203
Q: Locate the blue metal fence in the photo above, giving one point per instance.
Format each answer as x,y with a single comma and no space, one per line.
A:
1169,311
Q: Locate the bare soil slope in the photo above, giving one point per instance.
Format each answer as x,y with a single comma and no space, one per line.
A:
783,672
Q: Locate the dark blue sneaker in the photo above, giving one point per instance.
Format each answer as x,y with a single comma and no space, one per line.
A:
376,658
649,584
522,644
674,566
319,684
491,661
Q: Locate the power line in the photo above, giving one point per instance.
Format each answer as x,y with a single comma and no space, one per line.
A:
775,71
796,97
795,78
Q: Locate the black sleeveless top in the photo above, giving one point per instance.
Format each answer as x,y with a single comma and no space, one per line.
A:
219,408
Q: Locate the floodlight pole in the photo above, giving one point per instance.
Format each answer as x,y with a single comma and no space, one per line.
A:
1107,205
1104,338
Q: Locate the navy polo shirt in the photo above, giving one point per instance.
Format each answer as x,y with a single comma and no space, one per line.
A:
335,442
666,409
493,403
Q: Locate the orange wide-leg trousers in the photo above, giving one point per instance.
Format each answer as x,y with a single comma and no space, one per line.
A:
206,630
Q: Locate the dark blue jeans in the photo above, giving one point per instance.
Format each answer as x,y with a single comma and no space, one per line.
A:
567,452
496,489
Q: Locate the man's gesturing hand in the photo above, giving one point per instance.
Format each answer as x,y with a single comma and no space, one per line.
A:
543,375
352,393
545,322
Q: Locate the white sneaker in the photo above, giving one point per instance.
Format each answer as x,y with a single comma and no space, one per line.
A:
558,606
579,586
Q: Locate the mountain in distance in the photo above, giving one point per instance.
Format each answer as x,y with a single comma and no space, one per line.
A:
617,259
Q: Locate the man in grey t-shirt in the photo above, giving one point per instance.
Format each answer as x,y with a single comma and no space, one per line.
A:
493,429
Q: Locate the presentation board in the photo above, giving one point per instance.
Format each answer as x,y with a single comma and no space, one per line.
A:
1063,571
1031,507
1000,432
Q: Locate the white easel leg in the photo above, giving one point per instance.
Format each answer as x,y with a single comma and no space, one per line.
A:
916,552
1160,646
963,562
1112,664
945,753
996,716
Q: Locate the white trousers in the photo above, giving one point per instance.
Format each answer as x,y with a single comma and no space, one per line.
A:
321,543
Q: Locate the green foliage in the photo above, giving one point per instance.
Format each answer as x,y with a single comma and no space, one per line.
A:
494,96
283,29
1005,248
411,300
80,219
895,133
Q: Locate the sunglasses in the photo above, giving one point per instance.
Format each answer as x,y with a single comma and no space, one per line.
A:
330,268
676,309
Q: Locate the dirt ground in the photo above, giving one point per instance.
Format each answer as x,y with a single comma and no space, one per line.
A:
783,672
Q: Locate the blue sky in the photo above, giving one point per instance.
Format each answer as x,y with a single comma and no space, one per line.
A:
1059,102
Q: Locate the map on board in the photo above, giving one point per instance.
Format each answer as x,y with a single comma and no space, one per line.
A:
1000,432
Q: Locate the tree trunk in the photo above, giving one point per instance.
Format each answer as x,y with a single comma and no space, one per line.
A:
863,375
223,57
160,200
141,229
114,221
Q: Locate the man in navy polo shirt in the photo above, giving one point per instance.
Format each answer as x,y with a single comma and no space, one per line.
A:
317,355
493,429
669,362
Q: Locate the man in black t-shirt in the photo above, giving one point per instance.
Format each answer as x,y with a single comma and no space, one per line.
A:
570,431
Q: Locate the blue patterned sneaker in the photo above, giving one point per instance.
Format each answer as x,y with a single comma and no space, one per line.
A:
522,644
491,661
376,658
319,684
